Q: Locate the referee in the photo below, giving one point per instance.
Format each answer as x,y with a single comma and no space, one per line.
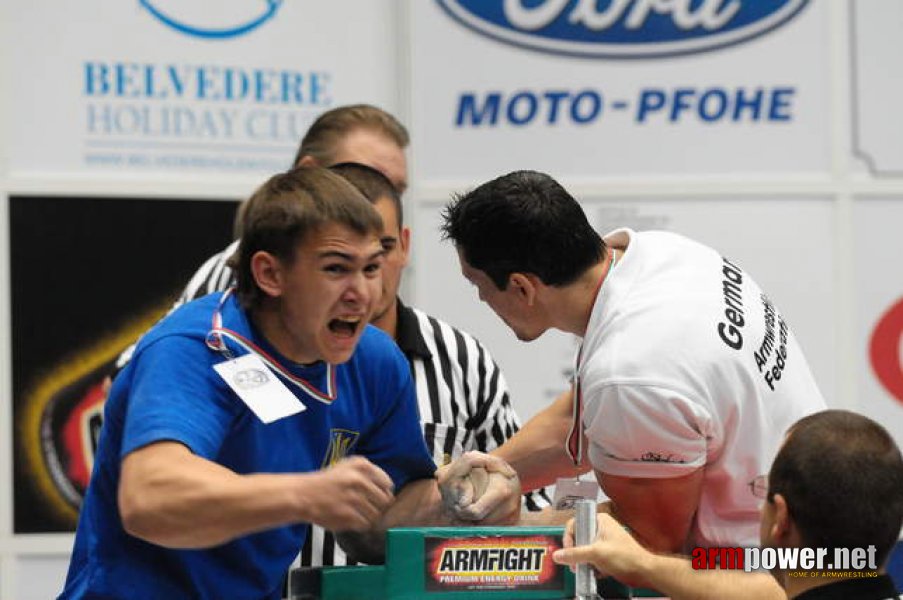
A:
461,392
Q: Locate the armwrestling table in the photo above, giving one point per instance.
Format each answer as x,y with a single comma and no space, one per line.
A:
466,563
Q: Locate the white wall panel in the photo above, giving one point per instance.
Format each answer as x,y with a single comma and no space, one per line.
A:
878,123
879,291
40,577
132,91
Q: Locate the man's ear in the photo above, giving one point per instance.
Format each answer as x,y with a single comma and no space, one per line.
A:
267,271
783,529
307,161
405,242
525,286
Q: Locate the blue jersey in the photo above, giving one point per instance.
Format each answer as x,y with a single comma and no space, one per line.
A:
170,392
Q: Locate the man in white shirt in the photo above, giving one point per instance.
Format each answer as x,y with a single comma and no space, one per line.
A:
687,376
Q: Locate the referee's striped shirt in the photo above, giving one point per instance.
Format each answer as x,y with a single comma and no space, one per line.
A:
461,393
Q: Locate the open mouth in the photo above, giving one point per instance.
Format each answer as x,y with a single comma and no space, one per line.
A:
345,326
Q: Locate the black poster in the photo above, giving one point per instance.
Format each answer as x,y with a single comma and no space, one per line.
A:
88,276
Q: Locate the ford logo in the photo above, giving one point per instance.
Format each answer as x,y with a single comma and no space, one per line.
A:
623,28
884,350
229,19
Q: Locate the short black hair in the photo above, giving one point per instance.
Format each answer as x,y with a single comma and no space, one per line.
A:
841,474
523,222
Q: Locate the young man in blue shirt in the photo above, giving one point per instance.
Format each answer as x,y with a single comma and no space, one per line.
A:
228,432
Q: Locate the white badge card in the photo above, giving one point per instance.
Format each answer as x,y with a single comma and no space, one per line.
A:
569,489
259,388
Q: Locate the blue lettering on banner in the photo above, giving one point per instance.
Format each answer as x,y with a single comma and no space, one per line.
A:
203,82
180,122
715,104
652,105
523,107
623,28
147,115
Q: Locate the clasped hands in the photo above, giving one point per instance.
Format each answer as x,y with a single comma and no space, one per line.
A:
478,488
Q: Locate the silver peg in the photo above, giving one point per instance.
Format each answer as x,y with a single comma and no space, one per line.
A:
585,533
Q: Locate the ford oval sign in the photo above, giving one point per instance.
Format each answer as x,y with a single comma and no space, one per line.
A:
229,19
623,28
884,350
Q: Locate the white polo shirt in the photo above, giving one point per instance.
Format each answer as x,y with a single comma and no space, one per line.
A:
687,364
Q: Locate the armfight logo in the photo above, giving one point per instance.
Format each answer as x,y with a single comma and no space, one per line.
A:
230,19
623,28
886,350
493,563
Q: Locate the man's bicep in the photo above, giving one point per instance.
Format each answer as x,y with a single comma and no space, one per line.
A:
156,459
175,396
659,511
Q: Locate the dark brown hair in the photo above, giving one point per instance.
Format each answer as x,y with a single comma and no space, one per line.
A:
288,207
842,476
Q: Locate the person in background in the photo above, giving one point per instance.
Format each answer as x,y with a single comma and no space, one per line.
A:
687,373
246,415
357,133
837,482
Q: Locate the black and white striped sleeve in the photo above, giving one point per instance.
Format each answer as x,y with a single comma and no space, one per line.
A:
214,275
495,420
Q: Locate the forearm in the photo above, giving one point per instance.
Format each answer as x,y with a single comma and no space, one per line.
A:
537,451
176,499
418,504
659,512
538,460
615,552
421,503
675,577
